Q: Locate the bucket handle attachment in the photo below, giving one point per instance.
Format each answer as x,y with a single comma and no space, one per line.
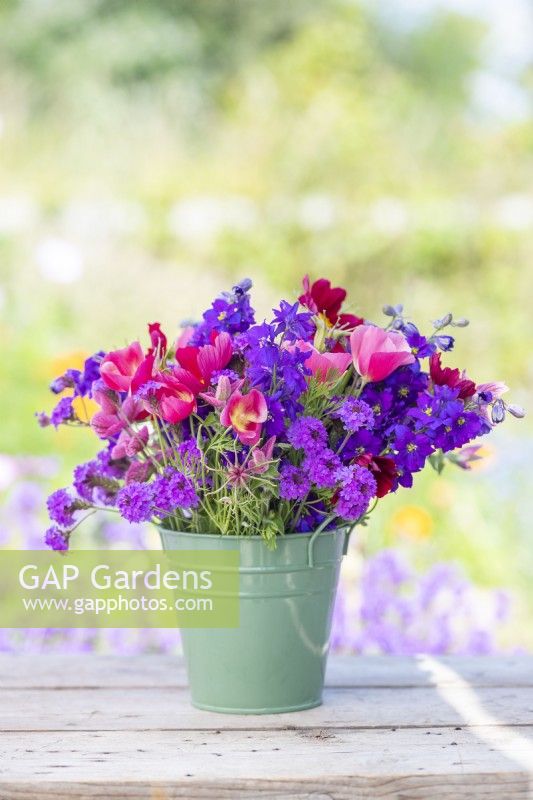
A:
347,534
316,534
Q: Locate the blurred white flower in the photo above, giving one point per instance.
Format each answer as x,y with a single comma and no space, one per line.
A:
203,217
17,214
389,215
8,471
60,261
102,218
498,98
317,212
514,212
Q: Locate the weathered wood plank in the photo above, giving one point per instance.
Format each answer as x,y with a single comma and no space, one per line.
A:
449,729
169,709
153,670
409,787
334,764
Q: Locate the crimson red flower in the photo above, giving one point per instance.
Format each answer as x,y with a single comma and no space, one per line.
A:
383,469
322,298
157,338
445,376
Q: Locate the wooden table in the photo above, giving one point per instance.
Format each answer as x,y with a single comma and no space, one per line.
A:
106,727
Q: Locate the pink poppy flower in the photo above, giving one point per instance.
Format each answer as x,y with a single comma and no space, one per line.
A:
173,401
377,353
197,364
119,366
245,413
324,366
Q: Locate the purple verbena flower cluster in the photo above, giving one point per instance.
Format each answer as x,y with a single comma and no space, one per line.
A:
358,487
355,414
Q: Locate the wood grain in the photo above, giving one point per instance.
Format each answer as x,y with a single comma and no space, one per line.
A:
390,728
315,761
152,670
170,709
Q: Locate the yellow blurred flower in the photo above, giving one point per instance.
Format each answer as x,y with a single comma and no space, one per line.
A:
412,522
57,366
85,408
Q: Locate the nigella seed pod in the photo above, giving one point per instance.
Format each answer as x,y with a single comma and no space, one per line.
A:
498,412
516,411
389,311
443,322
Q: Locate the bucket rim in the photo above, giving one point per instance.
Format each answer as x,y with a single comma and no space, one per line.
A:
245,538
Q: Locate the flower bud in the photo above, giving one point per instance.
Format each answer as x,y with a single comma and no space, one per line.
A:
244,286
462,322
443,322
445,342
516,411
498,412
389,311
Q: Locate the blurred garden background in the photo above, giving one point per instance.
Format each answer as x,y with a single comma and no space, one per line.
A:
154,153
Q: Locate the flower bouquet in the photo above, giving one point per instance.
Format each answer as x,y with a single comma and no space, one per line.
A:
275,438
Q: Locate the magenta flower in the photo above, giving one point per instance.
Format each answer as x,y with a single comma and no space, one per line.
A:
173,401
197,364
119,366
377,353
157,338
113,417
245,413
324,366
262,456
130,443
225,388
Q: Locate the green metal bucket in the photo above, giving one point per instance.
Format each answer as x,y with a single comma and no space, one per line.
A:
276,660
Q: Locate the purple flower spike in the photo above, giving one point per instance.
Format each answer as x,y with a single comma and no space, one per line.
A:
135,502
355,414
307,433
60,508
56,539
294,483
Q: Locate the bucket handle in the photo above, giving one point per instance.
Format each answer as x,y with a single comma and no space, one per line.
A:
316,534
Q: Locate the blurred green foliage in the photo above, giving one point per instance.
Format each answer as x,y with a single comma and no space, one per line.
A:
155,151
